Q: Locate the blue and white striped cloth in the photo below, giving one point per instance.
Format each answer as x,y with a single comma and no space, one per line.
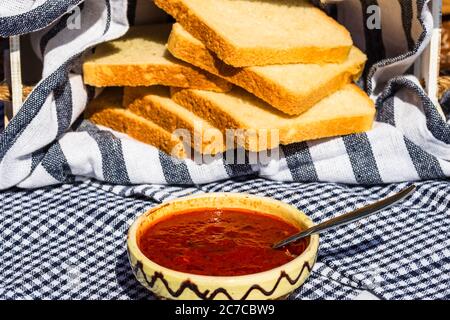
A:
47,143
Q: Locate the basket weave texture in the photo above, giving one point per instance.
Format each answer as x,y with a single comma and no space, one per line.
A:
445,7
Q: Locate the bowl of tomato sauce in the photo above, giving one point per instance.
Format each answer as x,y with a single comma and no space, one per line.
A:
219,246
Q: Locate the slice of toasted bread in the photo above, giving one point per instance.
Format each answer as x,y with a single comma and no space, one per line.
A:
107,110
140,58
154,103
347,111
249,33
291,88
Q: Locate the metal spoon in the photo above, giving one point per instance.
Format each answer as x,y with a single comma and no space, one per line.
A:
349,217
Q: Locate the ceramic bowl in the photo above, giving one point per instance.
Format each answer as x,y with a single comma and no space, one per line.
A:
272,284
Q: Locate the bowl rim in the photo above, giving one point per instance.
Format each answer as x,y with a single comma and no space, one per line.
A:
133,248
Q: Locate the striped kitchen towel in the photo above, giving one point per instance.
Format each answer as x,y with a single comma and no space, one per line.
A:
48,143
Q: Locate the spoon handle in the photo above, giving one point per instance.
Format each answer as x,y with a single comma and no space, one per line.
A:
350,217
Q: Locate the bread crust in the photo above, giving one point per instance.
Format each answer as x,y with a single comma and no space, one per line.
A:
155,105
148,75
254,80
290,129
106,110
111,64
241,56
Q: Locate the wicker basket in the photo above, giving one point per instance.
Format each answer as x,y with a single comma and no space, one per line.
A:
444,79
5,94
445,47
446,7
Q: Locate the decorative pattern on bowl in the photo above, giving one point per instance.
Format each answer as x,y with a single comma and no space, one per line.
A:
272,284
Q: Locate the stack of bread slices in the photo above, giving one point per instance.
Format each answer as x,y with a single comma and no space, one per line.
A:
266,72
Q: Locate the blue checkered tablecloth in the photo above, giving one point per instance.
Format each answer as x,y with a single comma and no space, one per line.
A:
69,241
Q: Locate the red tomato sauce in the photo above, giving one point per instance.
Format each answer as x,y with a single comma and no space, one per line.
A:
225,242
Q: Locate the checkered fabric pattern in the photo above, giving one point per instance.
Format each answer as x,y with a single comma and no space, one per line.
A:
69,241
